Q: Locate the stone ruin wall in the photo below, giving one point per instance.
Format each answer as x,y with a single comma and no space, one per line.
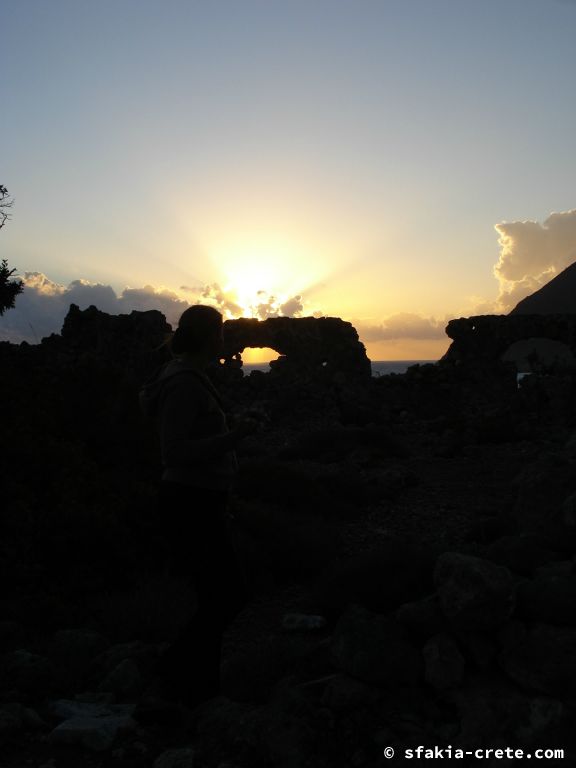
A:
307,344
485,338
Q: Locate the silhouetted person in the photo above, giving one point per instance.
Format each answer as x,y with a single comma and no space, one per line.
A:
199,467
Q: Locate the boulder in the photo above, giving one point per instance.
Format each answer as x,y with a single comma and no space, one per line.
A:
343,693
94,733
31,674
10,726
548,601
421,618
182,757
493,713
72,650
374,649
542,658
546,506
474,593
396,572
520,554
250,674
443,663
12,635
125,680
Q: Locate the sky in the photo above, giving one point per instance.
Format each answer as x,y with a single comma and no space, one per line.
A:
395,163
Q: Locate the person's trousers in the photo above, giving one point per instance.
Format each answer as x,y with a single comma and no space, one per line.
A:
196,528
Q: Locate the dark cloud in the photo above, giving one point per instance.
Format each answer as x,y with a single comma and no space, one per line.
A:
531,254
41,308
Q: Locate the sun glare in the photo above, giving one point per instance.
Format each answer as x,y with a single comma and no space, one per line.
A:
259,275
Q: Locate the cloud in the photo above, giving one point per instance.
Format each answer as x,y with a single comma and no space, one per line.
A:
41,308
404,325
293,307
222,300
269,306
531,254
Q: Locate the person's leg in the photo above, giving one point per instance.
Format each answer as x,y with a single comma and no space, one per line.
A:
202,551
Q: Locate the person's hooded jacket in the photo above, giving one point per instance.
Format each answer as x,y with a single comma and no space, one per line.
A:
189,418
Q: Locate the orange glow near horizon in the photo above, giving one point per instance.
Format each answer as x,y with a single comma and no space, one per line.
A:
259,355
409,350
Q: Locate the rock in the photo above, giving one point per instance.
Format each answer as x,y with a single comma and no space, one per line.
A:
443,663
27,672
560,569
344,693
11,636
95,733
305,488
520,554
474,593
66,709
421,618
103,698
251,674
479,648
548,601
176,758
233,727
542,658
383,579
10,725
374,649
72,650
545,502
366,444
124,680
28,717
295,622
105,663
293,729
493,712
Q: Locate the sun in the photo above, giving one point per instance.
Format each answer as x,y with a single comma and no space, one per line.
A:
257,271
249,283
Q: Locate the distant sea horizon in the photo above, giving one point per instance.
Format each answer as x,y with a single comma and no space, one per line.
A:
379,367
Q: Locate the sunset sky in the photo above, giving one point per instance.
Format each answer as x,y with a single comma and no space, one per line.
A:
349,158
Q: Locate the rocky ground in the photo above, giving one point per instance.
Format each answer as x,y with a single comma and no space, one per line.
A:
410,544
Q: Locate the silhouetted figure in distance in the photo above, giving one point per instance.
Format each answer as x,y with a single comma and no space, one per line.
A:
199,467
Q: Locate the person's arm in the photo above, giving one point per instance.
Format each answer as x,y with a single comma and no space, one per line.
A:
182,403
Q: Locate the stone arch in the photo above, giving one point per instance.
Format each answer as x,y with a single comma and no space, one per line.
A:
303,343
539,354
486,338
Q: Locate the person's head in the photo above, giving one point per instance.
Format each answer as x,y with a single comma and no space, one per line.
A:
199,332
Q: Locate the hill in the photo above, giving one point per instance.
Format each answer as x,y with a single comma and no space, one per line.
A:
557,297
